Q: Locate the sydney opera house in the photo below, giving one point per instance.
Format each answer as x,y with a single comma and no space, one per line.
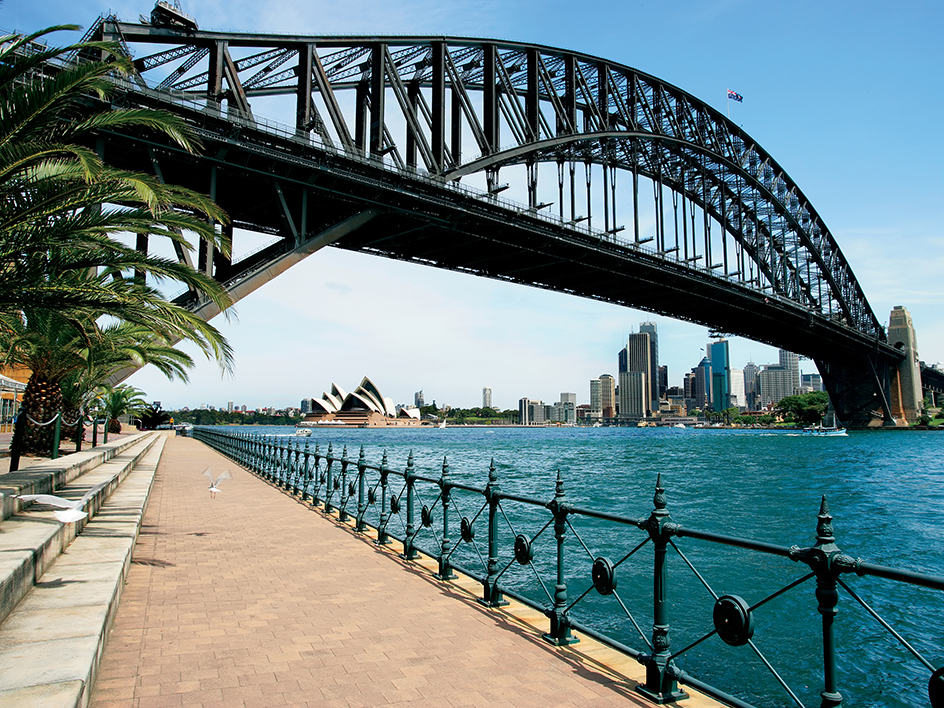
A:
362,407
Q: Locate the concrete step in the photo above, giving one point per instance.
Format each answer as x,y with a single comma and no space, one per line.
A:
33,538
52,642
51,475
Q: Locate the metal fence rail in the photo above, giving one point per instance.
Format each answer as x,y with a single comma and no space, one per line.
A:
525,552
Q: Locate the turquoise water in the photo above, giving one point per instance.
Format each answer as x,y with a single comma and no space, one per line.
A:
884,490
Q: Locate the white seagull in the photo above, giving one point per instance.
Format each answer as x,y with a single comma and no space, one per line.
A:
215,483
71,508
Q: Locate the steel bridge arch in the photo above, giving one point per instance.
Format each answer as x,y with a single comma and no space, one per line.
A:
416,100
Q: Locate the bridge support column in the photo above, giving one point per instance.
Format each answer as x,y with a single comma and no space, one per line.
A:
906,398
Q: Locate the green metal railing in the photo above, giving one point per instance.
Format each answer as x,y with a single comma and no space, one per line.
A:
420,511
22,420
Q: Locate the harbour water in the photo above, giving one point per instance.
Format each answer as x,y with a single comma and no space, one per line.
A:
885,490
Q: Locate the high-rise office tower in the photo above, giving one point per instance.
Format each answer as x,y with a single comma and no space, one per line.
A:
596,399
568,405
633,395
608,395
702,389
720,379
751,385
791,363
486,397
637,356
651,329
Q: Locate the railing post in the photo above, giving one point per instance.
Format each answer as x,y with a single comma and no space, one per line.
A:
445,570
361,501
660,687
105,431
329,486
95,432
382,538
342,507
821,560
559,633
491,595
316,477
409,475
56,434
79,430
16,445
306,478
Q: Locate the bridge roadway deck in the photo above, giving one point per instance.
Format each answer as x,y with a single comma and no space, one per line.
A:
252,599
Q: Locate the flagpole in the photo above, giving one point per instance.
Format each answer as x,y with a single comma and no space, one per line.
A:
729,104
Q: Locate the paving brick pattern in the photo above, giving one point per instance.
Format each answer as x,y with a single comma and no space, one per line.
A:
251,599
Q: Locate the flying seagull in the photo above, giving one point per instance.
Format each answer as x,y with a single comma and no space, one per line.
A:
71,509
215,483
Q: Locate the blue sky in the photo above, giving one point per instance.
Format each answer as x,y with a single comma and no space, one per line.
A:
846,96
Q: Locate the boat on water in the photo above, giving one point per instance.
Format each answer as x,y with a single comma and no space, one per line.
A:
820,431
679,425
302,432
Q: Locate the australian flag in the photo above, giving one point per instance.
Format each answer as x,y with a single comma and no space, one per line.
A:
734,96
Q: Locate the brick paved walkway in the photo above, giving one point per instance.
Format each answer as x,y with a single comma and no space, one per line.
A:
251,599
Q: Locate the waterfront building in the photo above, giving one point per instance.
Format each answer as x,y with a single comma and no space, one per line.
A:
702,389
663,377
776,383
791,364
596,399
737,389
608,395
568,405
634,393
637,356
720,375
810,383
655,383
364,406
486,397
751,372
531,412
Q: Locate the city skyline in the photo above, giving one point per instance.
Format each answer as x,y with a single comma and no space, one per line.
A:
341,315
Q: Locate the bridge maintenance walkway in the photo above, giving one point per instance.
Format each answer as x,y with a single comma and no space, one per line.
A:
252,599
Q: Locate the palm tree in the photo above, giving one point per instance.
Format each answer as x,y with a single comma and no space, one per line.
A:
61,268
119,400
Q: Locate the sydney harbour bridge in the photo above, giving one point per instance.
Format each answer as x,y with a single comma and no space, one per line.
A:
506,160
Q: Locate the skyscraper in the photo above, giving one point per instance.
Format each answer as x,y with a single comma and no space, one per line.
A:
751,385
637,356
568,404
608,395
791,363
418,399
633,395
596,399
486,397
651,329
720,380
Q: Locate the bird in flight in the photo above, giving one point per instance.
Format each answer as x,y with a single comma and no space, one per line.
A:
215,483
70,509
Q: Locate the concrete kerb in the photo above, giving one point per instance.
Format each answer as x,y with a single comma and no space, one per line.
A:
51,644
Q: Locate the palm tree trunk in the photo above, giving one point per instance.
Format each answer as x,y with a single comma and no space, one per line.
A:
42,400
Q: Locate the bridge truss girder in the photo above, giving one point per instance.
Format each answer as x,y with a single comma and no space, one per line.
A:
752,256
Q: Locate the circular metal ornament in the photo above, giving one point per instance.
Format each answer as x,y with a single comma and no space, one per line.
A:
394,505
936,688
733,620
523,551
604,576
350,489
426,517
466,530
371,495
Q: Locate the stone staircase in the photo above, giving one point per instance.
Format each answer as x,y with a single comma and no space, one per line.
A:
60,583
